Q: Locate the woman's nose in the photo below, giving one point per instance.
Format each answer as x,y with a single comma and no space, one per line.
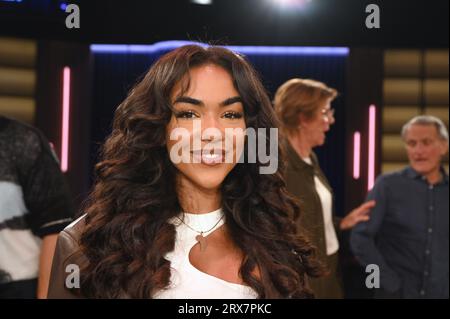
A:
210,121
328,120
211,127
331,119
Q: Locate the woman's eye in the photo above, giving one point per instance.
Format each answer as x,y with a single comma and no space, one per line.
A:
185,115
233,115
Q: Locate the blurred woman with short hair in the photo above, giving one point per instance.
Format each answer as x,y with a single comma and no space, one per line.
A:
304,109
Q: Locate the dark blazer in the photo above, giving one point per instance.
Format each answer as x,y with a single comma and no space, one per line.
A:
300,183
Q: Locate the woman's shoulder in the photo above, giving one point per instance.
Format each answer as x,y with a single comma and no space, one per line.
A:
74,229
67,261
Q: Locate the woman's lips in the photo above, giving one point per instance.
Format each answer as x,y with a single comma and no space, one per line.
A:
208,157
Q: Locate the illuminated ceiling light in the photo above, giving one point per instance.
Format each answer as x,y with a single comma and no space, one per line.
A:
287,1
290,4
202,2
248,50
291,1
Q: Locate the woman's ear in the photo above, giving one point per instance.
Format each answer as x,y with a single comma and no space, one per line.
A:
301,120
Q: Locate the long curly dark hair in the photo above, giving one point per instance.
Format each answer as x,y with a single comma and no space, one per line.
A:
127,233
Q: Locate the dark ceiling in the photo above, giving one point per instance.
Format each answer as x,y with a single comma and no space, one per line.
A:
404,23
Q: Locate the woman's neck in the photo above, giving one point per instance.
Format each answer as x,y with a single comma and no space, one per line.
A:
197,200
301,147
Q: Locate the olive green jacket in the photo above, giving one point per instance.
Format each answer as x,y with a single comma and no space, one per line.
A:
299,177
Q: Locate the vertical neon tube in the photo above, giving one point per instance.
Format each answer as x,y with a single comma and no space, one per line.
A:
356,155
372,140
65,120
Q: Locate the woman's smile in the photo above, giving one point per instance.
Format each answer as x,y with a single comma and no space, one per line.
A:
209,157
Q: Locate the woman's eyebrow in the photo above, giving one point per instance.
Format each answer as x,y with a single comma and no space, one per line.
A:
190,100
231,100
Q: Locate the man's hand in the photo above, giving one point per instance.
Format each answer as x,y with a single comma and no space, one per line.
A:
45,264
359,214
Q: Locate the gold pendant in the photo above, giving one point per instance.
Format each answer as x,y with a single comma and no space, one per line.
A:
202,241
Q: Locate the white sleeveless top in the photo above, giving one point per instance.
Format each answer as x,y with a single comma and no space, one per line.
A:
187,282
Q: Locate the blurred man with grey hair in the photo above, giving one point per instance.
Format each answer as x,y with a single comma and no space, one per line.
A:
407,234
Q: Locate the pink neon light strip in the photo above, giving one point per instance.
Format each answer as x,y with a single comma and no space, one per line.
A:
356,155
371,155
65,120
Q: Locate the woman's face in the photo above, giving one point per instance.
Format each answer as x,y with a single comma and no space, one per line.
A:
209,113
314,129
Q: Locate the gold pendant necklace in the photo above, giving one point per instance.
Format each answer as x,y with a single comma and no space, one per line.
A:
200,238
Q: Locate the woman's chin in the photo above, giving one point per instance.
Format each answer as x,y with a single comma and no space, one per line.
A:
320,142
207,180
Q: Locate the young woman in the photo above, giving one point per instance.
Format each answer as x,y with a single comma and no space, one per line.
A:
157,227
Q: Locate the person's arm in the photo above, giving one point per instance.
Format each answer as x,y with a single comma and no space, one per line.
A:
45,264
362,238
